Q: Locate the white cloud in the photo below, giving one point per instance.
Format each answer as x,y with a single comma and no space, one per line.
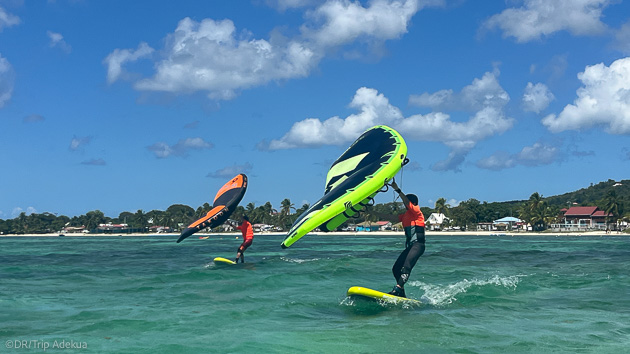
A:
207,56
7,76
483,92
116,59
78,142
342,22
622,38
459,135
181,149
212,56
484,96
499,161
452,162
535,155
7,20
453,202
374,108
603,100
537,18
17,211
33,118
231,171
94,162
537,97
283,5
57,41
538,154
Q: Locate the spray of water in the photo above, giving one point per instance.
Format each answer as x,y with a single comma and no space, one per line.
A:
445,294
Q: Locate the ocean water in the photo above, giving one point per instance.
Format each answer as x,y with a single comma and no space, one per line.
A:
151,295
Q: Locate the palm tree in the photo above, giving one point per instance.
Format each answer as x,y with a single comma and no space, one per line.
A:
534,201
304,208
441,207
140,219
284,218
94,218
199,212
166,219
612,206
180,214
250,208
549,216
535,211
286,207
21,226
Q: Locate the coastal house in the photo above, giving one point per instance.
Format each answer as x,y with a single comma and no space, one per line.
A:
509,223
588,216
582,218
110,228
435,221
263,227
384,225
74,229
160,229
368,226
486,226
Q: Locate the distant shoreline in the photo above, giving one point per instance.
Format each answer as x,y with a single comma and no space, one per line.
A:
361,233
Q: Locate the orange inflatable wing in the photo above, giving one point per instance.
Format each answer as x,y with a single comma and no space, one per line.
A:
225,202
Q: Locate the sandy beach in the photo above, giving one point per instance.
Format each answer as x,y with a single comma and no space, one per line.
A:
370,233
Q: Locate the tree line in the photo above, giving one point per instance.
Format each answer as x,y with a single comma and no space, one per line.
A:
539,212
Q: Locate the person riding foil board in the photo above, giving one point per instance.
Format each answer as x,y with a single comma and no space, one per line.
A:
413,223
248,237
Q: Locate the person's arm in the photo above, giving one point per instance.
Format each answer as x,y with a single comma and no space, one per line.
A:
400,193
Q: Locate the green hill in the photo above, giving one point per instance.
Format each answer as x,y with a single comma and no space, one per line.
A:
592,195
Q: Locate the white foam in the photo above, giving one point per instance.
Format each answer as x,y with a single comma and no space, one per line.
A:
440,295
297,260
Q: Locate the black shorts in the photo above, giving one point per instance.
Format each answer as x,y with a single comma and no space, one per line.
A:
245,245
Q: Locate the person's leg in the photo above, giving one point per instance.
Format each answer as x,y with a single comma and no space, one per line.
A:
397,271
241,251
415,251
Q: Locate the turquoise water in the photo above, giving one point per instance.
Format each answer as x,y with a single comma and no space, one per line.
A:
149,294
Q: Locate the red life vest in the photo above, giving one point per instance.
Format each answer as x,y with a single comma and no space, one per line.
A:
246,230
412,217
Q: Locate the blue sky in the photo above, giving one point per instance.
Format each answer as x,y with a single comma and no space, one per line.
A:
127,105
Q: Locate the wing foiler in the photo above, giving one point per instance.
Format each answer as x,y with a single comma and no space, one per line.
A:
225,202
353,181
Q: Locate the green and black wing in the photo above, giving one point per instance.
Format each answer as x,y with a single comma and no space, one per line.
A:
353,181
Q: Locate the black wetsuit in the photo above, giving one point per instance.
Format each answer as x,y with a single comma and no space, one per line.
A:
408,258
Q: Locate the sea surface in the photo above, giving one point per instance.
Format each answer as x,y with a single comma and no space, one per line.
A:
480,294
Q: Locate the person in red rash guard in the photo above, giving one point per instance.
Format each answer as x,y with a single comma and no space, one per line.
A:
248,238
413,223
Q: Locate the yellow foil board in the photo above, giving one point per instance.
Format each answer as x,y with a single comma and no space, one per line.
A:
221,260
378,295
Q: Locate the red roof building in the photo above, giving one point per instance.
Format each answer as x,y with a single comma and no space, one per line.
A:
586,216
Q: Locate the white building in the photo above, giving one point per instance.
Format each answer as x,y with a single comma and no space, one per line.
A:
436,220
